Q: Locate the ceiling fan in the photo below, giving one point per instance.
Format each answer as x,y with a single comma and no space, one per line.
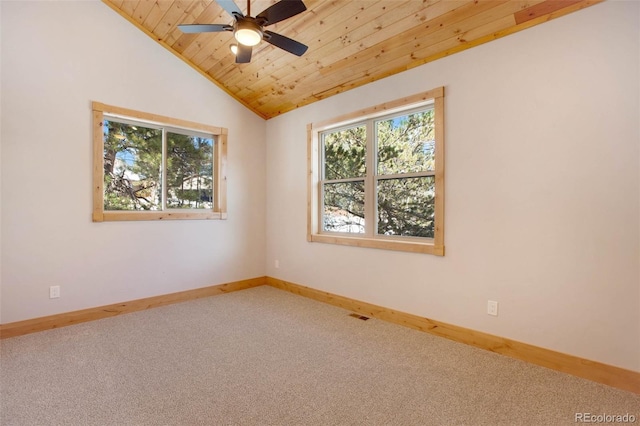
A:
249,31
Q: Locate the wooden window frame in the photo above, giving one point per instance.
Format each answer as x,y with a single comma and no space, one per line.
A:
315,233
219,210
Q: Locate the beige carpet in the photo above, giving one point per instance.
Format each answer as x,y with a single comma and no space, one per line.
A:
266,357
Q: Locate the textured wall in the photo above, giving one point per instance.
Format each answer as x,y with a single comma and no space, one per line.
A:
542,191
56,58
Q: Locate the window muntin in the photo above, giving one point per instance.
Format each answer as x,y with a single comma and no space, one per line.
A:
148,167
376,177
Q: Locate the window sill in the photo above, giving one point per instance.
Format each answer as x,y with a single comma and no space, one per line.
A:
113,216
410,246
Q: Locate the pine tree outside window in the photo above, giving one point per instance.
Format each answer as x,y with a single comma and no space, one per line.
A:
149,167
376,176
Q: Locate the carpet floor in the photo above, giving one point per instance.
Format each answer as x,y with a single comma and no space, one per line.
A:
267,357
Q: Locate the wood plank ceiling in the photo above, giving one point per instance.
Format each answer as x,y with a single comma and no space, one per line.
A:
351,42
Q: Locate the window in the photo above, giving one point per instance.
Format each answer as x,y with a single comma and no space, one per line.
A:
376,176
148,167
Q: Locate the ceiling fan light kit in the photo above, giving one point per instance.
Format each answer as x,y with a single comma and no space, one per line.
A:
249,31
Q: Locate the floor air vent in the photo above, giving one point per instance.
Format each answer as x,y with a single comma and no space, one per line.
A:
360,317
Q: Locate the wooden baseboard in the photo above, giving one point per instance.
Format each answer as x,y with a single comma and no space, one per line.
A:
592,370
20,328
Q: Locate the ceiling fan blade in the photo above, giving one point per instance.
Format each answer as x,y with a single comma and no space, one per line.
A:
244,54
230,6
280,11
285,43
204,28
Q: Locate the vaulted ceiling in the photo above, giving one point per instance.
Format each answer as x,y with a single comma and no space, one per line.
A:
351,42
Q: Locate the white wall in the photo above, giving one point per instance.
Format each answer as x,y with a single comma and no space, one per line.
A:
542,191
542,201
56,58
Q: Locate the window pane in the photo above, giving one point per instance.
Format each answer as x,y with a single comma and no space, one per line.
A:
406,207
344,207
132,167
345,153
189,172
406,144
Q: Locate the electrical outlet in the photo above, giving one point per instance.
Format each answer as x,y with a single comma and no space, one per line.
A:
492,308
277,264
54,292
